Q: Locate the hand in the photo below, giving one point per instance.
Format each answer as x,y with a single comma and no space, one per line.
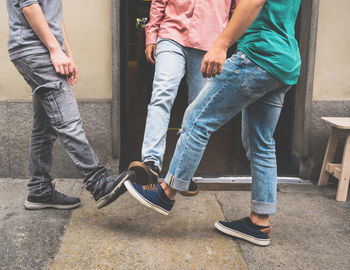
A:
73,77
64,65
213,61
150,53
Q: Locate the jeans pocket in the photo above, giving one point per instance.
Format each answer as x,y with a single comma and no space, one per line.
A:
38,60
283,93
61,105
23,69
168,45
258,83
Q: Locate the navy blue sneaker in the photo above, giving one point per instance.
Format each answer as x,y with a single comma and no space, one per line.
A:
152,196
240,229
147,173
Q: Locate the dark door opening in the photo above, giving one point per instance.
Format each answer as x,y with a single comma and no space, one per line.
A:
224,155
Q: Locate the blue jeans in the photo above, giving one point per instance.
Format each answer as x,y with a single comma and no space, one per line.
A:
56,115
242,86
173,61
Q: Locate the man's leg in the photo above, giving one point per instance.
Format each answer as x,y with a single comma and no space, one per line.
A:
194,78
40,152
57,100
42,193
195,83
259,121
61,107
169,70
240,84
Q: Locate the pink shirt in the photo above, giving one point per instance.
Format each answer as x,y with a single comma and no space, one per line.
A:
191,23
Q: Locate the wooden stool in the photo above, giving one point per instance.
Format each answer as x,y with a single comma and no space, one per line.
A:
339,171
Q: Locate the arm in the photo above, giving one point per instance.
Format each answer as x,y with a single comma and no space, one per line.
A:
244,15
156,15
37,21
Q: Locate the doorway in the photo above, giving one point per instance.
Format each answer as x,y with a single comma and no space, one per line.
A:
224,155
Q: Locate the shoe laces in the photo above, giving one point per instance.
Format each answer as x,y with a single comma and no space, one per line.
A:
102,181
151,187
56,193
107,176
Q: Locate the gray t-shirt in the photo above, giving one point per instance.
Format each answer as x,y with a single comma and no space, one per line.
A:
22,39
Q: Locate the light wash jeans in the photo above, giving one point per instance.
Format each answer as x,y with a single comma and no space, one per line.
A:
242,86
56,115
173,61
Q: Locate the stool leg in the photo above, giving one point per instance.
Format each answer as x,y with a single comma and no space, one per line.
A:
343,183
329,155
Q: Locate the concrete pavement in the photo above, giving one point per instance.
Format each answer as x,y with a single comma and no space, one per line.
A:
30,239
126,235
310,231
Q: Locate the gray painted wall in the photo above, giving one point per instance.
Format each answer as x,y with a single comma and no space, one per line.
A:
15,130
16,123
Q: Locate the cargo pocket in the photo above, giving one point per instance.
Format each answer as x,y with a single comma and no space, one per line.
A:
60,104
50,85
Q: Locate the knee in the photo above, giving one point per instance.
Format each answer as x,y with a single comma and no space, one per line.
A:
161,100
197,131
73,126
263,154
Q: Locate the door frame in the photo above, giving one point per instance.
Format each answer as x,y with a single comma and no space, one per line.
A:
304,88
116,77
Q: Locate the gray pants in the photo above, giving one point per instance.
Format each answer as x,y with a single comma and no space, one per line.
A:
56,114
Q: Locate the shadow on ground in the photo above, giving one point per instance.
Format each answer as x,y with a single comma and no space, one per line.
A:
126,235
30,239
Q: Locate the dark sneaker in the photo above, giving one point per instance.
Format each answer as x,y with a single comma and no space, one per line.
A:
109,187
241,229
192,189
146,173
152,196
51,199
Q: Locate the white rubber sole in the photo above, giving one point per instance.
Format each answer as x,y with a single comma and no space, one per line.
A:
142,200
243,236
107,199
37,206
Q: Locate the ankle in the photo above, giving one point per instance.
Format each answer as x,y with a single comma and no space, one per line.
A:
169,192
260,220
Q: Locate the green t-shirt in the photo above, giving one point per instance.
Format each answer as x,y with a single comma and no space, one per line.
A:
270,41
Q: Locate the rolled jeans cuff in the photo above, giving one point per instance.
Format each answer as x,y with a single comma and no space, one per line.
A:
176,183
263,208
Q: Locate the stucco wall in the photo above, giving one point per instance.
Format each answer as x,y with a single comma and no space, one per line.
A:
332,66
12,86
88,24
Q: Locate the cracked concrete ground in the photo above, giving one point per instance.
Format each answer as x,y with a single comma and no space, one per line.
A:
310,231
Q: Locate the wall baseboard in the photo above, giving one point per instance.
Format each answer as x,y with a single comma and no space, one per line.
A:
15,129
